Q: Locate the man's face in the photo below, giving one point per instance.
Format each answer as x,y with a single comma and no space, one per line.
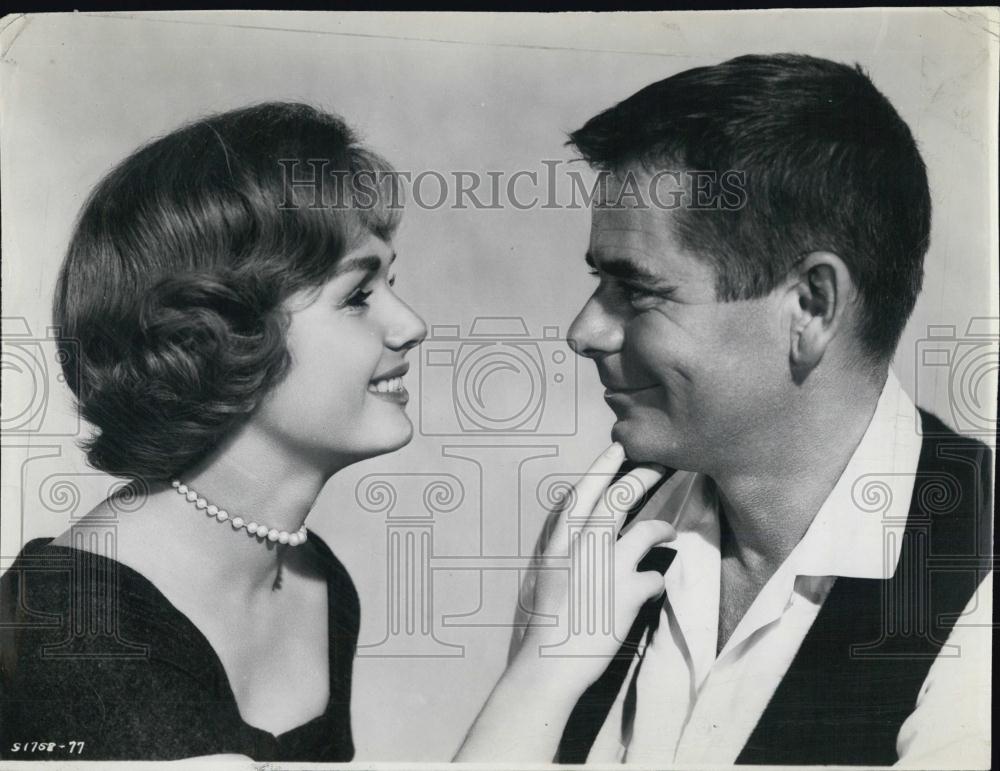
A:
691,380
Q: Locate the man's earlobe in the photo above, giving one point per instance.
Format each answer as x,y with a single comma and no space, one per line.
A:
822,290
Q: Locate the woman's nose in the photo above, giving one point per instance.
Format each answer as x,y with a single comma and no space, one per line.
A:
407,330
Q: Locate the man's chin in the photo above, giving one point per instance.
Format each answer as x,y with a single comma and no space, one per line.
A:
635,448
639,446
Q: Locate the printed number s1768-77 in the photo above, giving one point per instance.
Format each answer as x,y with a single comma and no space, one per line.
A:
73,748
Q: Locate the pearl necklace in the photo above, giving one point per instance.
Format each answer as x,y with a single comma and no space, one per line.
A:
261,531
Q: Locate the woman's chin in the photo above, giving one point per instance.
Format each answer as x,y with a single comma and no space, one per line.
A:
333,459
391,441
401,442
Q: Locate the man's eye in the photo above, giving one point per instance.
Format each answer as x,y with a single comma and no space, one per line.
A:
392,280
594,273
358,299
643,297
636,292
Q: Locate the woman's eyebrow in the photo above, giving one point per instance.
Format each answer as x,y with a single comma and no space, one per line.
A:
369,263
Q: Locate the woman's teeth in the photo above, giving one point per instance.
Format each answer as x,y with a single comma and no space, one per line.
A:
391,385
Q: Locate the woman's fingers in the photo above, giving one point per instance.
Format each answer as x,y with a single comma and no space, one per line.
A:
638,586
649,584
585,494
593,553
588,490
642,537
625,494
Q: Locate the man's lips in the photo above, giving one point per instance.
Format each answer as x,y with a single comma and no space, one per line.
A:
615,390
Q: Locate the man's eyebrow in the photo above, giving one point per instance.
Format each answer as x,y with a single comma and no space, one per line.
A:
624,269
370,263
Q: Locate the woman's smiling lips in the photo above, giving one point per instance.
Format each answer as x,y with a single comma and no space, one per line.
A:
389,385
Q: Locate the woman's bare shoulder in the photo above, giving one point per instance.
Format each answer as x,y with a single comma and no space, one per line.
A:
101,514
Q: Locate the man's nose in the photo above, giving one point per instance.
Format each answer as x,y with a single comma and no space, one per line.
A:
595,332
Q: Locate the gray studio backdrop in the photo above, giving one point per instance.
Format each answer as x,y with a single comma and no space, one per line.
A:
504,412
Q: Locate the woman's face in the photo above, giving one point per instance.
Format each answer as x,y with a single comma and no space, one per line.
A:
343,397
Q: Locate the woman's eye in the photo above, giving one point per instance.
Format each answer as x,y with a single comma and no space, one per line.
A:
358,299
392,280
594,273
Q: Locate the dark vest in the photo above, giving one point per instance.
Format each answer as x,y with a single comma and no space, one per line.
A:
859,669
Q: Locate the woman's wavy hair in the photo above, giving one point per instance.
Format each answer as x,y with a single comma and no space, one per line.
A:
170,296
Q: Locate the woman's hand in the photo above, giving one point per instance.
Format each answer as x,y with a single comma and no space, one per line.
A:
599,603
554,664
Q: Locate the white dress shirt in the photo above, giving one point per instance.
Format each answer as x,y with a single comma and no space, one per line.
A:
696,708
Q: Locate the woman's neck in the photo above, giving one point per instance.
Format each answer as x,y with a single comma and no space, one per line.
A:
251,478
171,541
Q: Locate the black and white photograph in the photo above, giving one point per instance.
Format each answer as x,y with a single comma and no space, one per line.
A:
513,389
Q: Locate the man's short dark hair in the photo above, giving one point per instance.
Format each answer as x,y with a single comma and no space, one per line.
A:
171,291
829,166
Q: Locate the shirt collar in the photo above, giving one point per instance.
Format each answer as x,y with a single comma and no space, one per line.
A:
856,531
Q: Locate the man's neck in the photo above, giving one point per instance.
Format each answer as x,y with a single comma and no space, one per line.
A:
768,504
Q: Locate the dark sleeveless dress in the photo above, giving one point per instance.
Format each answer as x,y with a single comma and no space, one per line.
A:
96,664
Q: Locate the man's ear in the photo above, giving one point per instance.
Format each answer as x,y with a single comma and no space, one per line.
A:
821,289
